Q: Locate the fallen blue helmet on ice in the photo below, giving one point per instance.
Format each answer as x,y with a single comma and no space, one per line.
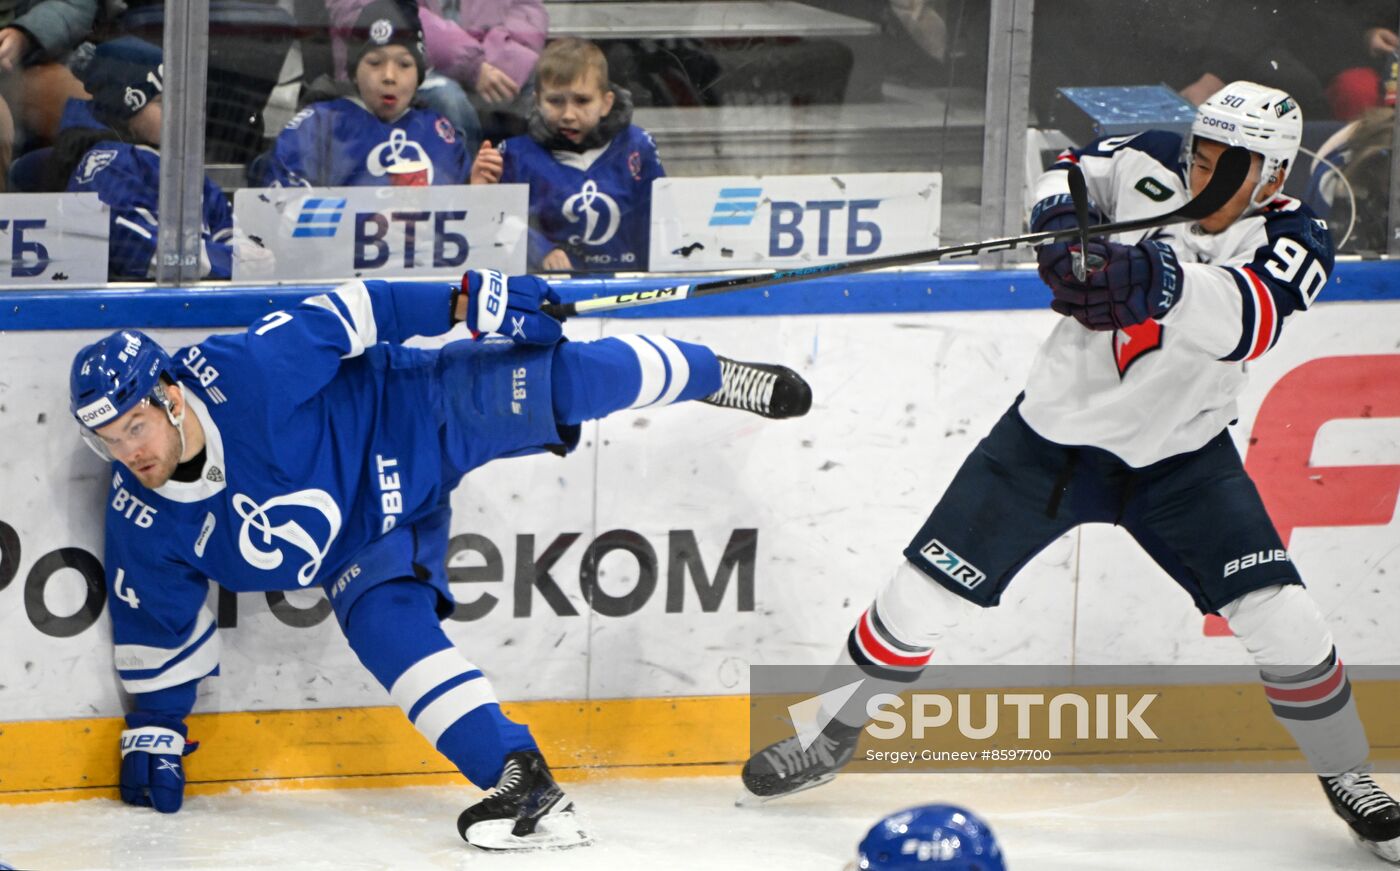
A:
934,837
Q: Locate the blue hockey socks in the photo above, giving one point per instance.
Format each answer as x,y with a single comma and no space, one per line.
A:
396,634
594,379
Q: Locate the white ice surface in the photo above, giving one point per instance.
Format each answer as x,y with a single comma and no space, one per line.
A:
1045,823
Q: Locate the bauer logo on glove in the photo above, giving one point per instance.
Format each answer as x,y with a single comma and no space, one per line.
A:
510,307
1126,284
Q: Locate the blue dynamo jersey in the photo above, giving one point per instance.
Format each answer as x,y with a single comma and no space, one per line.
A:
322,438
595,205
127,178
340,143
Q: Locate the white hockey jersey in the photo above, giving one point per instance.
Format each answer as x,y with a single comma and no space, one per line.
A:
1165,387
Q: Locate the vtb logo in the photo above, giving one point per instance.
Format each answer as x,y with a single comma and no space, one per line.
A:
319,216
735,207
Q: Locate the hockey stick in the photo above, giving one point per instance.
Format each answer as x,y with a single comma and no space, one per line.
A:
1079,196
1230,172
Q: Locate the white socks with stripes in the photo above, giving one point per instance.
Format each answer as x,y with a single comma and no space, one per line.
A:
1305,682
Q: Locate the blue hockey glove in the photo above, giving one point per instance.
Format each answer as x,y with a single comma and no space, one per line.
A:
1131,284
1057,213
510,307
152,775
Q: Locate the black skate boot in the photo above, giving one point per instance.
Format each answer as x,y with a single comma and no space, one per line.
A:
526,810
784,768
765,389
1373,815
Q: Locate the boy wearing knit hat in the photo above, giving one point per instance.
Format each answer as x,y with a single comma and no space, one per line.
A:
359,139
121,162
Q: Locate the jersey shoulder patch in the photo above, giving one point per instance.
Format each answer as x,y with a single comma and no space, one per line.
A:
1286,216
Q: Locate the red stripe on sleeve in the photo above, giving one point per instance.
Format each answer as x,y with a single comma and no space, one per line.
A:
1265,315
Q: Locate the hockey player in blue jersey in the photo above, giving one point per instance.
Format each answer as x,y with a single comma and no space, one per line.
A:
355,140
122,164
588,166
1124,421
315,449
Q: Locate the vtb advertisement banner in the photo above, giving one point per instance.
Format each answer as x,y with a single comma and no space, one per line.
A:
380,232
53,240
740,222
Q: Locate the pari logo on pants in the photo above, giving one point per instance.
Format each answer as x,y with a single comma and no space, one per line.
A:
952,565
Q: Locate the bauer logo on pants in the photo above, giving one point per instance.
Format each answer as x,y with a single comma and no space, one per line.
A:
952,565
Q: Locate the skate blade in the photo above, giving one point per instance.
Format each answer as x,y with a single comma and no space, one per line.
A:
1388,850
748,799
557,831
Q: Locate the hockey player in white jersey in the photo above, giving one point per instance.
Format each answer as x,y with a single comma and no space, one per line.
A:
1123,420
315,448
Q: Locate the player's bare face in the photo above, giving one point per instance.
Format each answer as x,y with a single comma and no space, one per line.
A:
145,442
1203,165
387,78
145,124
573,110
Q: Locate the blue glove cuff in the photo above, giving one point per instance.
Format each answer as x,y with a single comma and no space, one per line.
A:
1056,212
1168,278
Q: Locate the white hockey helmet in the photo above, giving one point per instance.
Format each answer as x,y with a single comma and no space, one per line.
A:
1266,121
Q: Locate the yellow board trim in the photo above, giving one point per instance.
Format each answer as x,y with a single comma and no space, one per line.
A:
52,760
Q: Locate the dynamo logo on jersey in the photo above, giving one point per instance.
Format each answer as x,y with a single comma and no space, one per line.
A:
319,216
94,162
735,207
260,531
599,213
398,148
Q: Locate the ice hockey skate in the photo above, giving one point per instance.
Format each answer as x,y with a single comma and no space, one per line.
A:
526,810
767,390
784,768
1373,815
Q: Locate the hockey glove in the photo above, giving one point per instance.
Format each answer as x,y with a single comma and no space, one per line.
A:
1057,213
1133,283
510,307
152,775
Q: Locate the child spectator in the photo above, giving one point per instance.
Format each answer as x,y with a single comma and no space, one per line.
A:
589,168
121,162
355,140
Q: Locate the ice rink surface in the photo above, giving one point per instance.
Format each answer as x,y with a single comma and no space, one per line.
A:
1047,822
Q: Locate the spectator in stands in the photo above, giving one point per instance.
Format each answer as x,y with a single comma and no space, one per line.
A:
35,37
488,47
1365,57
356,140
121,162
589,167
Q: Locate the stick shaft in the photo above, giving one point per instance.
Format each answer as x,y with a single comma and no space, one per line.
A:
1230,172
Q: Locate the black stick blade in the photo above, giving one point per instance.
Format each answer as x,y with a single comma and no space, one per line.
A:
1231,170
1079,195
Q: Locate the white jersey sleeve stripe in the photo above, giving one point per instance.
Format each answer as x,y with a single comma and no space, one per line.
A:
135,228
360,310
139,657
453,705
357,345
199,664
653,370
427,674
